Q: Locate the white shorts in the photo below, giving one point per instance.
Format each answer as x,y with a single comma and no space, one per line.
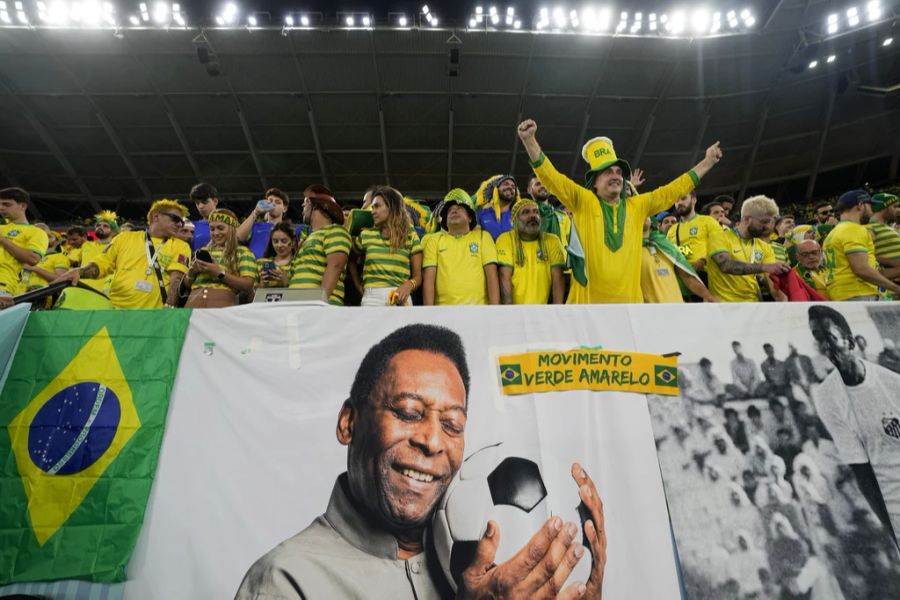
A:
378,296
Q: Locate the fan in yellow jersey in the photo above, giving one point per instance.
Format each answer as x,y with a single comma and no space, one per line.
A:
850,253
530,262
605,246
460,263
663,267
106,226
146,266
392,269
20,243
811,265
54,264
885,213
738,256
691,233
215,283
321,259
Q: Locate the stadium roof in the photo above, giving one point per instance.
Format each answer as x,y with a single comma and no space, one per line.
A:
113,119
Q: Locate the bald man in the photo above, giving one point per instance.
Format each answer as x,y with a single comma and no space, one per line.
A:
811,267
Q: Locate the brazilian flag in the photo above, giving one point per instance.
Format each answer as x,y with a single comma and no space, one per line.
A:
81,422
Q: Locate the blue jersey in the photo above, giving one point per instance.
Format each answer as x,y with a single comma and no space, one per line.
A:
488,221
201,235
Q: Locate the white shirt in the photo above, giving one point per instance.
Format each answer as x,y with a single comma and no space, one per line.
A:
864,421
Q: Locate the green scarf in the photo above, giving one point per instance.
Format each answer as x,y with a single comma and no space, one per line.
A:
662,244
613,224
549,222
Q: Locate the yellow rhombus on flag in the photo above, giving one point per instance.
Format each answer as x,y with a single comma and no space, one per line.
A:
60,462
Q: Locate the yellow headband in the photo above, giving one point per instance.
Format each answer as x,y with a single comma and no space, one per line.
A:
223,217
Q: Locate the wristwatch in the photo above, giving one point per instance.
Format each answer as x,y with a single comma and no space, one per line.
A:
221,275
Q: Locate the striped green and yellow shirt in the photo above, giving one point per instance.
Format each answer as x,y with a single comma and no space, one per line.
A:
384,267
308,267
779,250
887,240
246,265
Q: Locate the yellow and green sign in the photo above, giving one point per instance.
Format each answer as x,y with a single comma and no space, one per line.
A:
588,369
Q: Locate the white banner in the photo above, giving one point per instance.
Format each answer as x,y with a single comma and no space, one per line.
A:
250,454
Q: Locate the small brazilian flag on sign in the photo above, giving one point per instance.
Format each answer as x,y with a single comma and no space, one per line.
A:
81,423
666,376
511,374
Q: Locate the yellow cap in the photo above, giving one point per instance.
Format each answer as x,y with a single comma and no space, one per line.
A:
600,155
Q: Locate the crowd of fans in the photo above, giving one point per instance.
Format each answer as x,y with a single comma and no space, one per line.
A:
606,241
761,503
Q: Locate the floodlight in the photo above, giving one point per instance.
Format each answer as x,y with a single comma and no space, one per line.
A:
559,17
540,25
366,21
831,59
219,20
678,20
873,10
813,64
434,22
134,20
832,25
517,24
161,13
852,16
510,11
230,12
636,26
304,20
664,18
700,20
745,14
145,13
509,20
425,9
90,14
492,10
350,21
289,21
472,23
4,14
402,21
887,42
479,10
495,19
251,21
603,19
716,22
621,26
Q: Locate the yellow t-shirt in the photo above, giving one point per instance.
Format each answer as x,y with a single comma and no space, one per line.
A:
531,282
25,236
692,237
460,262
736,288
613,277
847,238
87,254
50,263
126,259
659,281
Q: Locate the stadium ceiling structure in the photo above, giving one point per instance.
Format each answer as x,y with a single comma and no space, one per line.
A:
116,116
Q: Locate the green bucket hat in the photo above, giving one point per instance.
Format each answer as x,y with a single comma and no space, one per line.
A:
461,197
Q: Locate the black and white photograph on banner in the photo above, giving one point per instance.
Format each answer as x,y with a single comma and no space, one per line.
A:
781,456
428,477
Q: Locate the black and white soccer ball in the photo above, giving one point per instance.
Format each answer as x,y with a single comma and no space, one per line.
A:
494,483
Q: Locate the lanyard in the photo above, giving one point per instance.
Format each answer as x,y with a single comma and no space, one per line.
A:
154,266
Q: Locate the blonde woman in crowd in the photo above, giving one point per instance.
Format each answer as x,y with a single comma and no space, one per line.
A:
222,268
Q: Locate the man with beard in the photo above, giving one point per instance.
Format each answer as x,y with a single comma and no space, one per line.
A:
404,427
823,213
607,224
106,226
860,406
531,262
553,218
691,233
497,195
740,254
850,253
321,259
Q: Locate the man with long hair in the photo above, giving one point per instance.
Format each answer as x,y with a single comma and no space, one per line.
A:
530,262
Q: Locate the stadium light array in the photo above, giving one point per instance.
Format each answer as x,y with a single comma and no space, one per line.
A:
887,42
697,19
852,17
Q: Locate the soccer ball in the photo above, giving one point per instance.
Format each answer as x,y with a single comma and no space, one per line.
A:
497,484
